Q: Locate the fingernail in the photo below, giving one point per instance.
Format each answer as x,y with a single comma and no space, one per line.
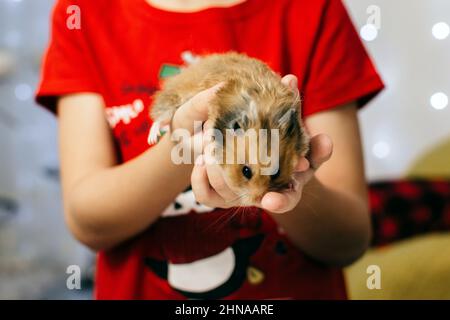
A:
199,161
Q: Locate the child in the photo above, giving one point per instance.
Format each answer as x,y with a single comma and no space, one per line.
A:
158,238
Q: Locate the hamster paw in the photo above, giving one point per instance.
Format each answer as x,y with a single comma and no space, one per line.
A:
153,134
156,131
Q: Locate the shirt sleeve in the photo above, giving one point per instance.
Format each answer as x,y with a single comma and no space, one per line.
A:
338,69
68,66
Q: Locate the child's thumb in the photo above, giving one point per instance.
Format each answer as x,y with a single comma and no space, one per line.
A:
195,109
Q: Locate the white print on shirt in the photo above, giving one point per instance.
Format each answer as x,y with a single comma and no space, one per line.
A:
183,204
189,58
124,113
202,275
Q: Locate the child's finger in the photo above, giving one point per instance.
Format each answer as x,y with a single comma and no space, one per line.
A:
196,109
208,125
203,192
321,150
276,202
208,134
302,165
291,81
218,183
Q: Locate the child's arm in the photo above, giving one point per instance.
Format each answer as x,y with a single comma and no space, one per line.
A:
106,203
327,216
332,222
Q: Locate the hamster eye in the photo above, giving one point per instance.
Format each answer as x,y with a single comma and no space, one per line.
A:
247,172
236,126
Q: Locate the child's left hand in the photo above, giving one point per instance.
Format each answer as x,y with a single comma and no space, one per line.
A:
210,188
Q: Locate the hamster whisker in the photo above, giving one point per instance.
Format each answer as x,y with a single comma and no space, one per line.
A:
217,221
237,198
234,214
223,219
221,223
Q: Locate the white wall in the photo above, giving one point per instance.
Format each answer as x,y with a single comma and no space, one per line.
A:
414,66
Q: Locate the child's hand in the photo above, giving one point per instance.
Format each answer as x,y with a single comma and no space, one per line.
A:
186,124
321,149
194,110
210,188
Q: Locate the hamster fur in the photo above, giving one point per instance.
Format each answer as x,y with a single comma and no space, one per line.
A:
252,97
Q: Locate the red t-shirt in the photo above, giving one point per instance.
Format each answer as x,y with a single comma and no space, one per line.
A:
122,51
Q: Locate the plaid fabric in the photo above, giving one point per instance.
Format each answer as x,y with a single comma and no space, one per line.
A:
401,209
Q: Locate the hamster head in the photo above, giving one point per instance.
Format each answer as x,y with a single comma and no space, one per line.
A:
262,137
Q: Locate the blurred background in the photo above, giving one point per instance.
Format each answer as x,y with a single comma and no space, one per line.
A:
406,132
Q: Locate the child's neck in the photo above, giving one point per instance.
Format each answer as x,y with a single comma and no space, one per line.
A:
191,5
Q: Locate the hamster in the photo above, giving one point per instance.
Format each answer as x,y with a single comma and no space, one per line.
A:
252,97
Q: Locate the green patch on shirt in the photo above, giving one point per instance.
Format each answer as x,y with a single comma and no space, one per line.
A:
168,70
